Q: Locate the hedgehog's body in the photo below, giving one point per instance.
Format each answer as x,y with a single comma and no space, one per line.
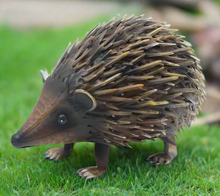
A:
128,80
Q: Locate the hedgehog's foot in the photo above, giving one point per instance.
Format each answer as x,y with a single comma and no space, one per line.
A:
101,156
91,172
59,153
158,158
170,152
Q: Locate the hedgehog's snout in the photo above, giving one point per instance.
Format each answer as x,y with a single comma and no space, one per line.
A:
16,141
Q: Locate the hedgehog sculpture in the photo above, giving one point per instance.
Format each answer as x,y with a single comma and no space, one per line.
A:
128,80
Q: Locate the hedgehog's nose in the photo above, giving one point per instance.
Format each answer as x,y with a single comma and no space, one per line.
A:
16,141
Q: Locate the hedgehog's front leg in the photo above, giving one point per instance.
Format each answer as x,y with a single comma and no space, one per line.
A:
59,153
101,156
170,152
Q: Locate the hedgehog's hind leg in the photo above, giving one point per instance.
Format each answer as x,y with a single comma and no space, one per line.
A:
59,153
101,156
170,152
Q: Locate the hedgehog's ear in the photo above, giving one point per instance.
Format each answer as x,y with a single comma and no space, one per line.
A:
85,99
44,75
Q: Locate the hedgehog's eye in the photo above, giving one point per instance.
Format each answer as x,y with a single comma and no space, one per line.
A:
62,119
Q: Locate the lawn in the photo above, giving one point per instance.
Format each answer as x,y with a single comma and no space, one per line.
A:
195,171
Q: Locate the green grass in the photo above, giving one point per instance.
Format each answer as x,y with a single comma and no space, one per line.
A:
217,1
195,171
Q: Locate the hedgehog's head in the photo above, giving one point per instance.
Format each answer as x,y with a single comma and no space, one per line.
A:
58,116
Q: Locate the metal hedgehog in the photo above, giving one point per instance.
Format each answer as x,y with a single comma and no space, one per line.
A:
128,80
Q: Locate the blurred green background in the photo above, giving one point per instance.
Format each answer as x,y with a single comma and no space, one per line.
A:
33,35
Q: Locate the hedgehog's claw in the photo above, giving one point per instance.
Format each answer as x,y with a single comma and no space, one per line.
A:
56,153
160,158
91,172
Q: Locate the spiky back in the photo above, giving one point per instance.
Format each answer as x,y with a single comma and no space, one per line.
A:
145,78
